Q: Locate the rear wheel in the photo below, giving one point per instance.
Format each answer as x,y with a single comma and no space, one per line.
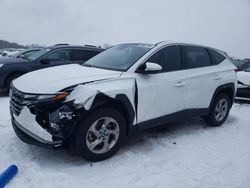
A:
219,110
100,135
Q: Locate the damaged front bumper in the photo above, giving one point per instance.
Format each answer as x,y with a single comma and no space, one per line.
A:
47,124
30,138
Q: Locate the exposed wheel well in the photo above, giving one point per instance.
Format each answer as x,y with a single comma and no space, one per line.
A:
230,92
123,107
123,110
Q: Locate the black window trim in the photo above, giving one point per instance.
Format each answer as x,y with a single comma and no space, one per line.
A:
210,57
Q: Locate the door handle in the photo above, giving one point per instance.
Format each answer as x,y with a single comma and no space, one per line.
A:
217,77
180,84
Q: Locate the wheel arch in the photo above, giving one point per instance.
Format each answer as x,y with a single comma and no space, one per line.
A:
228,88
122,103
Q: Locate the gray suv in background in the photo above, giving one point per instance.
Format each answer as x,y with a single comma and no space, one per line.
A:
12,68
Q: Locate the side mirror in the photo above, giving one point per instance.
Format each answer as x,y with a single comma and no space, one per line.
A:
44,61
149,67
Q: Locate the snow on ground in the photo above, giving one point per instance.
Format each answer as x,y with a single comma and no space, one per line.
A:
185,154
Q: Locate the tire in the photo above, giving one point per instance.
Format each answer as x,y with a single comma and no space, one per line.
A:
9,80
214,119
89,132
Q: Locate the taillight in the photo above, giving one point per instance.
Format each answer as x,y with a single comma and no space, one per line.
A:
238,69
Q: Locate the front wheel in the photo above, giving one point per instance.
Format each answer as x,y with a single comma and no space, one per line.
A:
219,111
100,135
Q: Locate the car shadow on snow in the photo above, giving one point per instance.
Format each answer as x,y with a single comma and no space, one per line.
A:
144,142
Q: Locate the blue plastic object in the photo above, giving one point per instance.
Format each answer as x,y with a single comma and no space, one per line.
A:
7,175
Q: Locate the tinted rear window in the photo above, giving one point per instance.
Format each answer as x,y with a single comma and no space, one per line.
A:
195,57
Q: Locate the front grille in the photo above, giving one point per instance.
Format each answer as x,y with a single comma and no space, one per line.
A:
18,100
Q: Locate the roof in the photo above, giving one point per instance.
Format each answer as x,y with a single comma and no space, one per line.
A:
163,43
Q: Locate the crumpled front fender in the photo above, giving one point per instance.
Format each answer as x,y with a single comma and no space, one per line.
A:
84,95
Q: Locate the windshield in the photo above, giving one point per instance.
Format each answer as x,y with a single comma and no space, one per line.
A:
120,57
38,54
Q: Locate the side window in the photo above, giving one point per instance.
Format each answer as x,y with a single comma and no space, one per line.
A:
195,57
216,57
29,53
59,55
169,58
83,55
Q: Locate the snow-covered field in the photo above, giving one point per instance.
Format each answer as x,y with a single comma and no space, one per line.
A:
186,154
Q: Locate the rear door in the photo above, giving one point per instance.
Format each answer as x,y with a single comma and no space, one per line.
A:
203,76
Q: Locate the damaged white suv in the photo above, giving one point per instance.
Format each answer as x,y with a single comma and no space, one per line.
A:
91,108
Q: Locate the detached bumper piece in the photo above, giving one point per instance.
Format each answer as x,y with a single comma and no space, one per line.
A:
27,138
46,125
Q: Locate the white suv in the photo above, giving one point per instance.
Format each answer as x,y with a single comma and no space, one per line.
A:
92,107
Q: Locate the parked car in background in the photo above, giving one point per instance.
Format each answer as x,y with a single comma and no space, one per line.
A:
12,68
129,87
243,90
26,53
8,52
22,54
240,64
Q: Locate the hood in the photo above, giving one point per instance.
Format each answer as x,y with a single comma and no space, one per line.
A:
52,80
10,60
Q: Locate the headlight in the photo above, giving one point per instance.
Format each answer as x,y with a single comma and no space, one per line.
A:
54,97
1,65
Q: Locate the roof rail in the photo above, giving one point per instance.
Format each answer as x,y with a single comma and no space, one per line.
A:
62,44
91,46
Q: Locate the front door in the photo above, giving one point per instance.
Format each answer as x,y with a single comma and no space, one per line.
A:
162,93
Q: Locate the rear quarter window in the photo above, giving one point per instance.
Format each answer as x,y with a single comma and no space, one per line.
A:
216,57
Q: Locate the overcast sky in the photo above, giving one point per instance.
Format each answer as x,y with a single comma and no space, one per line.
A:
224,24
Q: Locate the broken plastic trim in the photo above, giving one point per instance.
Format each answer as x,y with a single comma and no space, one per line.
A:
45,124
